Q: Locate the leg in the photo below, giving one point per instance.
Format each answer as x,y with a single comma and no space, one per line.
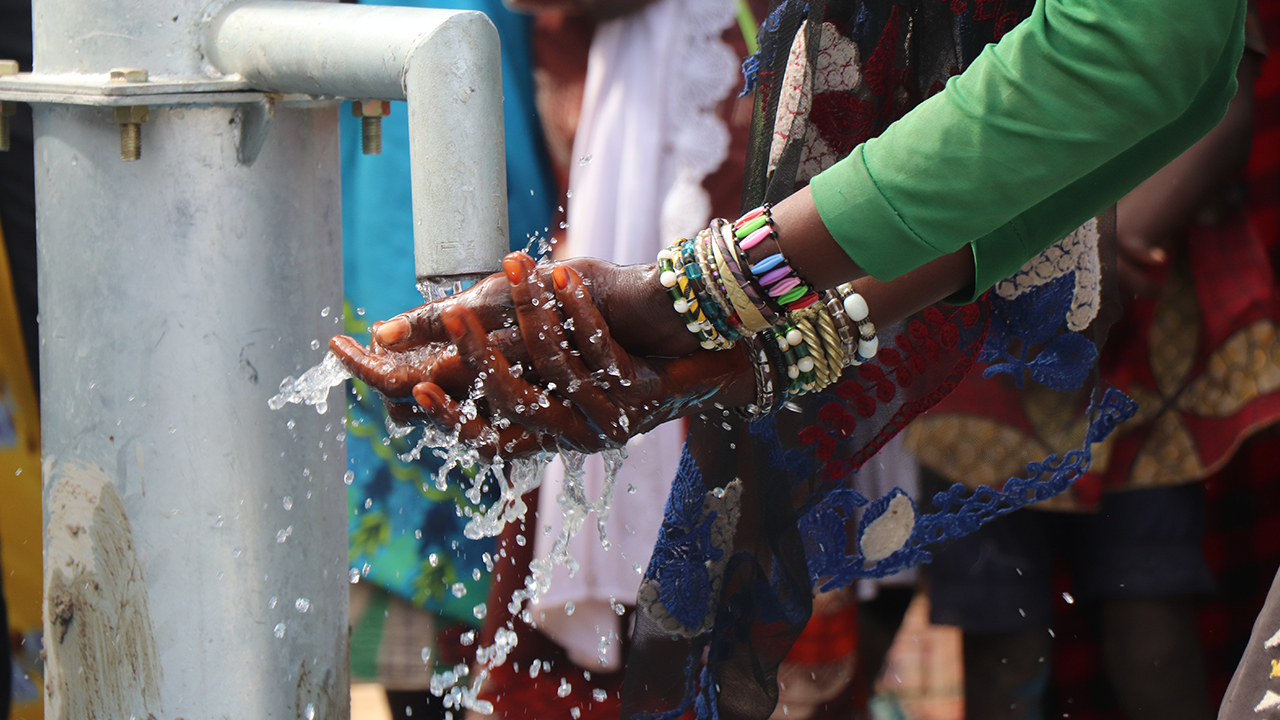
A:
1005,674
1140,555
878,623
1152,655
995,585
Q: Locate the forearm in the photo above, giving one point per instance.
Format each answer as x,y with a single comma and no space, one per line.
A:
890,302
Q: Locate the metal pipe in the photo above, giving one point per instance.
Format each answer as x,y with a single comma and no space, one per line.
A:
445,64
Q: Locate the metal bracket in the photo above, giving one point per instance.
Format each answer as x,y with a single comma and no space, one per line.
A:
100,91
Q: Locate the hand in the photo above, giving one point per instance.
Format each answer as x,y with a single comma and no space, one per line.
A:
594,394
629,298
1136,258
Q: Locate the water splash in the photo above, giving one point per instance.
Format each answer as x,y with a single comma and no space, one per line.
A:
312,388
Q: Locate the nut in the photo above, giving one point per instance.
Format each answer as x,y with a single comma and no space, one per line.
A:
370,108
131,114
129,75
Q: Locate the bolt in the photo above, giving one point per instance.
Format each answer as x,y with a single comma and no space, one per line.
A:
130,118
7,109
371,113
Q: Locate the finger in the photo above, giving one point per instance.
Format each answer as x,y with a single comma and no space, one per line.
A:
590,332
540,325
512,441
510,395
1133,279
488,300
391,378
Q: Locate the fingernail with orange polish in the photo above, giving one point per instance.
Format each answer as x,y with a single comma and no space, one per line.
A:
456,326
514,272
392,331
561,277
424,399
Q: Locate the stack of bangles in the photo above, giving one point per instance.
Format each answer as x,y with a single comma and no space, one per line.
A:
811,337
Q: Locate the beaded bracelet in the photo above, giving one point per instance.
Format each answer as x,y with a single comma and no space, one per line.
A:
774,274
684,302
856,310
715,325
725,319
740,270
723,298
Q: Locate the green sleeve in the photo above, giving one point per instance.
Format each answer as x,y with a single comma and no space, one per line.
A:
1071,109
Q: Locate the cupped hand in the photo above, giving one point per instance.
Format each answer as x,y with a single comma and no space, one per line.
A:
593,393
629,298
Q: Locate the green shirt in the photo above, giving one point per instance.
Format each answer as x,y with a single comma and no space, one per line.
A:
1073,108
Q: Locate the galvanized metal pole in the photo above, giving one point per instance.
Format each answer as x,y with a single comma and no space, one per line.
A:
195,542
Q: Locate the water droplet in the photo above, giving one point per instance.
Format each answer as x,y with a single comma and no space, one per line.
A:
458,590
433,560
564,689
426,655
324,312
639,570
310,712
631,489
1067,596
349,477
315,344
479,611
288,503
291,424
575,713
475,574
583,161
235,551
302,605
17,472
468,638
284,534
279,630
271,604
354,576
360,312
172,429
599,695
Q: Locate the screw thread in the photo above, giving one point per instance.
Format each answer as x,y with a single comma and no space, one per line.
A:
130,141
371,135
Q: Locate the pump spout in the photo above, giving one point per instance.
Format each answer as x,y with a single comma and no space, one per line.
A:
445,64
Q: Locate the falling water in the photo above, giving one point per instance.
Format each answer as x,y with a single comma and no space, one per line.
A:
512,478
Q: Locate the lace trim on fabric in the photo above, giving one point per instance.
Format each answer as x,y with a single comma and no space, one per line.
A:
700,138
1076,253
681,588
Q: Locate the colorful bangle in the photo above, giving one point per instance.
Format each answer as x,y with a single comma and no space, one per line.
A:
761,365
751,319
672,277
695,290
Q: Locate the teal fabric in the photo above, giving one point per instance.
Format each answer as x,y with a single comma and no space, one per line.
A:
406,536
1070,110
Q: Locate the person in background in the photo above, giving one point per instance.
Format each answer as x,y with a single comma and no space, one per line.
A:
422,583
1199,290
